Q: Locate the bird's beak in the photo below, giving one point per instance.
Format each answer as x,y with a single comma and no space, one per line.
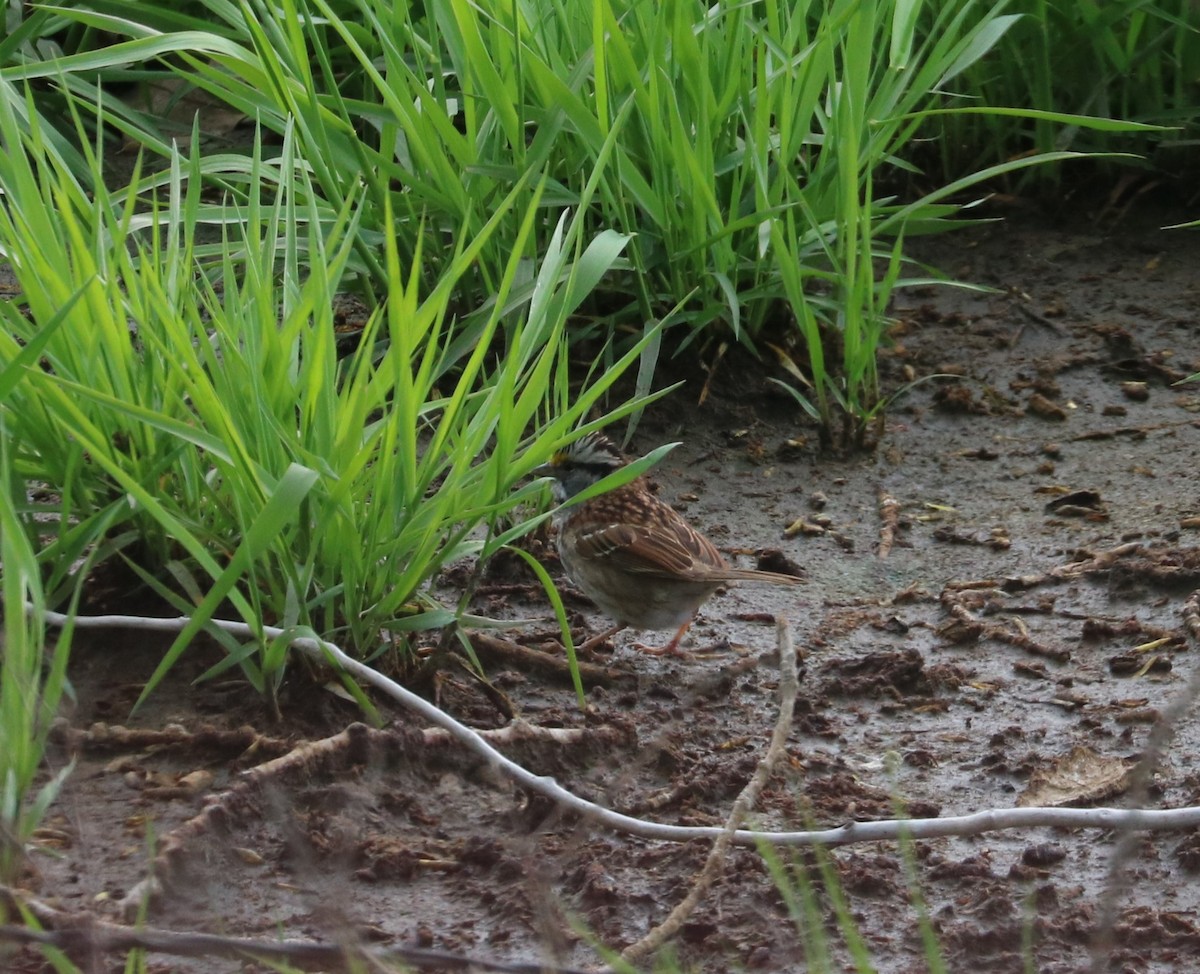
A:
545,470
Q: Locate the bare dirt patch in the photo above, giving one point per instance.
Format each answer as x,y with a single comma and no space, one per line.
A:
1046,534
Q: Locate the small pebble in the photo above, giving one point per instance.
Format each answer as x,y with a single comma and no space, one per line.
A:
1137,391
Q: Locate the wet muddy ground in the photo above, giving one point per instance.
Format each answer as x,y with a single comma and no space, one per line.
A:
993,607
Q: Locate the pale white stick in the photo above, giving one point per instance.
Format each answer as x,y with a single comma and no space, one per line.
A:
1119,819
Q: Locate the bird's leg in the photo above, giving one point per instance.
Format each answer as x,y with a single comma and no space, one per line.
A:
671,648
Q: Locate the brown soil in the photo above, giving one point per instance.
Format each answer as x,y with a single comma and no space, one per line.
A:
927,678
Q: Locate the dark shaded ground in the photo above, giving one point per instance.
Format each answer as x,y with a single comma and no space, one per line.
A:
926,679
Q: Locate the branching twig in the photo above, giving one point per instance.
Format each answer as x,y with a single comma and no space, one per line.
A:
788,687
1012,818
350,744
954,600
1101,562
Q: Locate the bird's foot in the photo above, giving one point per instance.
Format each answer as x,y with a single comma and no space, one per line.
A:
670,649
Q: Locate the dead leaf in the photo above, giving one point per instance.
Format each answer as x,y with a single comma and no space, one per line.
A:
1083,776
1046,408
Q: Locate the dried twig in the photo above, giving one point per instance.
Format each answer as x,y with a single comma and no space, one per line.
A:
1137,432
489,646
889,522
114,737
1191,617
788,687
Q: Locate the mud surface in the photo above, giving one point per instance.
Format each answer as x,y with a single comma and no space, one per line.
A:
1030,611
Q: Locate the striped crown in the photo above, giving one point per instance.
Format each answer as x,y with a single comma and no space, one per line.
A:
593,450
580,464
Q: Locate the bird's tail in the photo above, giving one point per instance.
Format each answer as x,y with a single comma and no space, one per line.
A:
754,575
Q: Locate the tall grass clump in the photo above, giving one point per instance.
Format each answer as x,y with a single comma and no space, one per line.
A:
882,73
1127,59
198,416
738,147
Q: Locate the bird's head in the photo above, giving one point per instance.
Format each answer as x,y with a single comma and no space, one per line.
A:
580,464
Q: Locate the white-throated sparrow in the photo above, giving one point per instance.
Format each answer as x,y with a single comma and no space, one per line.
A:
630,553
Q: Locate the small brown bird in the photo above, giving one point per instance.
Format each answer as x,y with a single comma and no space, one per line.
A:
632,554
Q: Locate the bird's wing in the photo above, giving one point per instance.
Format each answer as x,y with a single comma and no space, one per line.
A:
671,549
